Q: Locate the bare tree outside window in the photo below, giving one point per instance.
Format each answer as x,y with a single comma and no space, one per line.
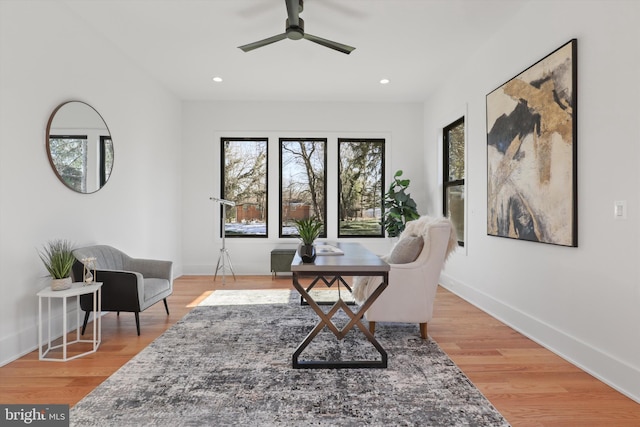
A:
361,187
106,159
244,181
302,182
69,154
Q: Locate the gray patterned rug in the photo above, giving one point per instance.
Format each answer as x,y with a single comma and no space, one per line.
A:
228,363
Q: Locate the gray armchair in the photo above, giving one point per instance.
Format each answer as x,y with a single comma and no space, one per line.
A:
128,284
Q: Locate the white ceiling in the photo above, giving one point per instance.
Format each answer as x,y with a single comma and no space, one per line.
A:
183,44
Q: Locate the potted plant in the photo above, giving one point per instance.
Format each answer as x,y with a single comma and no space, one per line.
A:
399,207
58,259
308,231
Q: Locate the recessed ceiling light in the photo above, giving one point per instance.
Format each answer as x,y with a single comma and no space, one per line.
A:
384,81
217,79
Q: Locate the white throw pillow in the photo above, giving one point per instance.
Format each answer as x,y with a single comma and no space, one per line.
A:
406,250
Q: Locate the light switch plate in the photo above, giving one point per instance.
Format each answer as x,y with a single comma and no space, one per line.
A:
620,209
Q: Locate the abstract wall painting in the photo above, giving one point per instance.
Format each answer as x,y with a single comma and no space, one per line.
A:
532,153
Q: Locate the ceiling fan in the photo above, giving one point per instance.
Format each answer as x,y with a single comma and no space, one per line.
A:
294,30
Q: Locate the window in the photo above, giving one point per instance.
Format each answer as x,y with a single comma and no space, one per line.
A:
303,171
69,154
453,182
106,158
360,187
244,182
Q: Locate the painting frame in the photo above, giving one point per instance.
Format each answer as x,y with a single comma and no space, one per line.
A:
532,179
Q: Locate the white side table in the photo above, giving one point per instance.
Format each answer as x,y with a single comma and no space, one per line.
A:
77,289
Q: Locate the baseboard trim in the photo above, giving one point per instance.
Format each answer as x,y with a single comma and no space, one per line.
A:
616,373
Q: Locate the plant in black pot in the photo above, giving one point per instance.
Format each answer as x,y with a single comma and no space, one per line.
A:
308,230
399,207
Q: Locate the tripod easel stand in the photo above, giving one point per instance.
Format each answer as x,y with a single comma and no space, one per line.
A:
223,259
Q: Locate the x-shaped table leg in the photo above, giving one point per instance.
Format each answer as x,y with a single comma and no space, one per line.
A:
340,333
336,279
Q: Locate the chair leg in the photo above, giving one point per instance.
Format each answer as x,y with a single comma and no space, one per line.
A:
423,331
166,307
137,321
86,319
372,327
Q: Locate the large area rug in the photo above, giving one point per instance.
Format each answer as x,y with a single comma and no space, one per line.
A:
228,363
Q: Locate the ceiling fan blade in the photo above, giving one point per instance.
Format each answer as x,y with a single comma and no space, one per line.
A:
293,12
255,45
330,44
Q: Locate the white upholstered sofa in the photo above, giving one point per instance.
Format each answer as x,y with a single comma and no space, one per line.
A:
416,262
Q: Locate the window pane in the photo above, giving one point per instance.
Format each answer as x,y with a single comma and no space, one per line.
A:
69,154
361,185
244,181
106,159
455,137
453,180
455,209
302,182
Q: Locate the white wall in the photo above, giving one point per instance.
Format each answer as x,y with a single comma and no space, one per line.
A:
205,122
48,56
583,303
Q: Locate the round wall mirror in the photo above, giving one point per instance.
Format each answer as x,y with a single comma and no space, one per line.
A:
79,147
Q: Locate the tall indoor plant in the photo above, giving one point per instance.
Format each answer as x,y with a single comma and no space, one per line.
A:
308,230
58,259
399,207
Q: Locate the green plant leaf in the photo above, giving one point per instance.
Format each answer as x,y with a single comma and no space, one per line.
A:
399,206
57,257
308,229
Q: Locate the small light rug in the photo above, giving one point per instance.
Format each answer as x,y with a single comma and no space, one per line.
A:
228,363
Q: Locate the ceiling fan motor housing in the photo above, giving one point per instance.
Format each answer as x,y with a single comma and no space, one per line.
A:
295,32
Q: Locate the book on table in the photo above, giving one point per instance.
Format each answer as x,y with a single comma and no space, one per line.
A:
328,250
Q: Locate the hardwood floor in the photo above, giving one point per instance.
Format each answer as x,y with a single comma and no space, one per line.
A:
528,384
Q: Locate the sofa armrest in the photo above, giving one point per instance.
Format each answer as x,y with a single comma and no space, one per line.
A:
158,269
408,266
121,290
110,275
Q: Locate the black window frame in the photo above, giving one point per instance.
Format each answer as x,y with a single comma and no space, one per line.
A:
446,182
323,234
222,185
105,173
83,176
381,141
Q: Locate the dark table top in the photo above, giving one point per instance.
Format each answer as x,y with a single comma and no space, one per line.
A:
356,258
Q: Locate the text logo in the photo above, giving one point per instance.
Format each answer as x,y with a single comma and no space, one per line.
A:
34,415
